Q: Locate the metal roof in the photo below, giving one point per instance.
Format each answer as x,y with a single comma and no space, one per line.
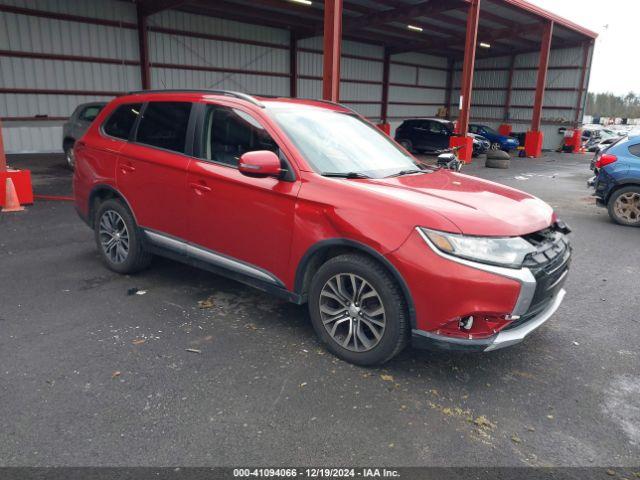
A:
509,26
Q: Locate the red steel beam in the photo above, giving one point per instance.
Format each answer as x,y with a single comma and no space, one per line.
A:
143,46
386,68
468,66
583,74
507,100
543,64
332,50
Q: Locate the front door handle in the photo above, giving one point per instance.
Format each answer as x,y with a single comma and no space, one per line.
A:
200,188
127,167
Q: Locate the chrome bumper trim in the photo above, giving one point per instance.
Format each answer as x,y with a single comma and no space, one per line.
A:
510,337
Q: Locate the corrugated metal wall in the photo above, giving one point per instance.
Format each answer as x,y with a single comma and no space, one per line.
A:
37,34
193,51
490,95
417,86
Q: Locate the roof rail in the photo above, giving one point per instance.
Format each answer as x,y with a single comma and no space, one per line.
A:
336,104
228,93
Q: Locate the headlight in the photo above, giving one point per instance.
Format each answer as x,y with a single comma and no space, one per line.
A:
502,251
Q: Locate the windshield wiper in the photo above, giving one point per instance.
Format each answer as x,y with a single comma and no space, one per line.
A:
407,172
345,174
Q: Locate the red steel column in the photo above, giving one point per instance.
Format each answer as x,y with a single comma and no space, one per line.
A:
331,53
143,44
384,107
464,141
535,138
293,65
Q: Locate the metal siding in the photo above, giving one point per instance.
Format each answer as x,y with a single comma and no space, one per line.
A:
185,79
181,50
218,26
52,36
109,10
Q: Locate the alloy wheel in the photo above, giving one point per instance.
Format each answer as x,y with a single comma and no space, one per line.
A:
114,236
71,159
495,146
352,312
627,207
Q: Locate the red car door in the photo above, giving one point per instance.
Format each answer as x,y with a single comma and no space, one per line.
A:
248,219
152,170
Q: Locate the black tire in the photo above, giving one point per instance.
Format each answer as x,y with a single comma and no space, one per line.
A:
136,258
69,157
407,145
614,214
497,163
395,336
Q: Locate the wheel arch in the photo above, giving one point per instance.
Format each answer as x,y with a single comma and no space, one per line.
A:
99,194
324,250
632,182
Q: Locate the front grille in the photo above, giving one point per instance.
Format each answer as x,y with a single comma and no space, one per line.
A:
549,265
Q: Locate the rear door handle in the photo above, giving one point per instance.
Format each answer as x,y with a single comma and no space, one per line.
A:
127,167
200,187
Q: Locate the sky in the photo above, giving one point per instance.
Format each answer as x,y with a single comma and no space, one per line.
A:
615,65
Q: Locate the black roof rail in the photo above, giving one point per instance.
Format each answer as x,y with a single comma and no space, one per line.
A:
335,103
229,93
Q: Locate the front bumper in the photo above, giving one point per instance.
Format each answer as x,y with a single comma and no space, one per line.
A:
505,338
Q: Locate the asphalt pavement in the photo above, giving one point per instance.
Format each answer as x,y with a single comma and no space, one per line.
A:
176,366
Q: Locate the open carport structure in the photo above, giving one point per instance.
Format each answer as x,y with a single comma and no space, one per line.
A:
498,62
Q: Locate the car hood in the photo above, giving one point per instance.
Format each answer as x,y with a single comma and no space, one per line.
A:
475,206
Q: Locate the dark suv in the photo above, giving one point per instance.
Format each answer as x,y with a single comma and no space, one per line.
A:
309,201
431,135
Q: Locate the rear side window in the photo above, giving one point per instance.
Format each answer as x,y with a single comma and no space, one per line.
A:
89,114
164,125
122,120
635,150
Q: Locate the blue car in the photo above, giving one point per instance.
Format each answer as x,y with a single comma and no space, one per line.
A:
617,182
498,142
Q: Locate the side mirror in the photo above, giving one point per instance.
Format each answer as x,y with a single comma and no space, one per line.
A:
261,163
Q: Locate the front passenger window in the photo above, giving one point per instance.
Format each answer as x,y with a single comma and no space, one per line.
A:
229,133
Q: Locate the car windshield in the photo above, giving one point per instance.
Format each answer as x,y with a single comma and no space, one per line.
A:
341,144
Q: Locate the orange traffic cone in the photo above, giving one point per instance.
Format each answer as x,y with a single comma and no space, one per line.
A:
11,202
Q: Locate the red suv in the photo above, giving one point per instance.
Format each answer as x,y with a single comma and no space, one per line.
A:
309,201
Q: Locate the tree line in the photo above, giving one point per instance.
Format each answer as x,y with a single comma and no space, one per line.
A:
610,105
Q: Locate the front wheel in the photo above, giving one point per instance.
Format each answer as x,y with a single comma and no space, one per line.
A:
496,146
624,206
358,310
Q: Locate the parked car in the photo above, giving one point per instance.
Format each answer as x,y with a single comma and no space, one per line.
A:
617,184
431,135
498,141
76,126
309,201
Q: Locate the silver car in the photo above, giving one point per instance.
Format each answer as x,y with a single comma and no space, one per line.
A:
75,127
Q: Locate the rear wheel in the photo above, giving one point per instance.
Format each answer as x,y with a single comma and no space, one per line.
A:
407,145
358,310
496,146
118,238
624,206
69,155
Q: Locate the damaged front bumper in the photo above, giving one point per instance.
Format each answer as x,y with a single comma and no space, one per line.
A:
504,338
